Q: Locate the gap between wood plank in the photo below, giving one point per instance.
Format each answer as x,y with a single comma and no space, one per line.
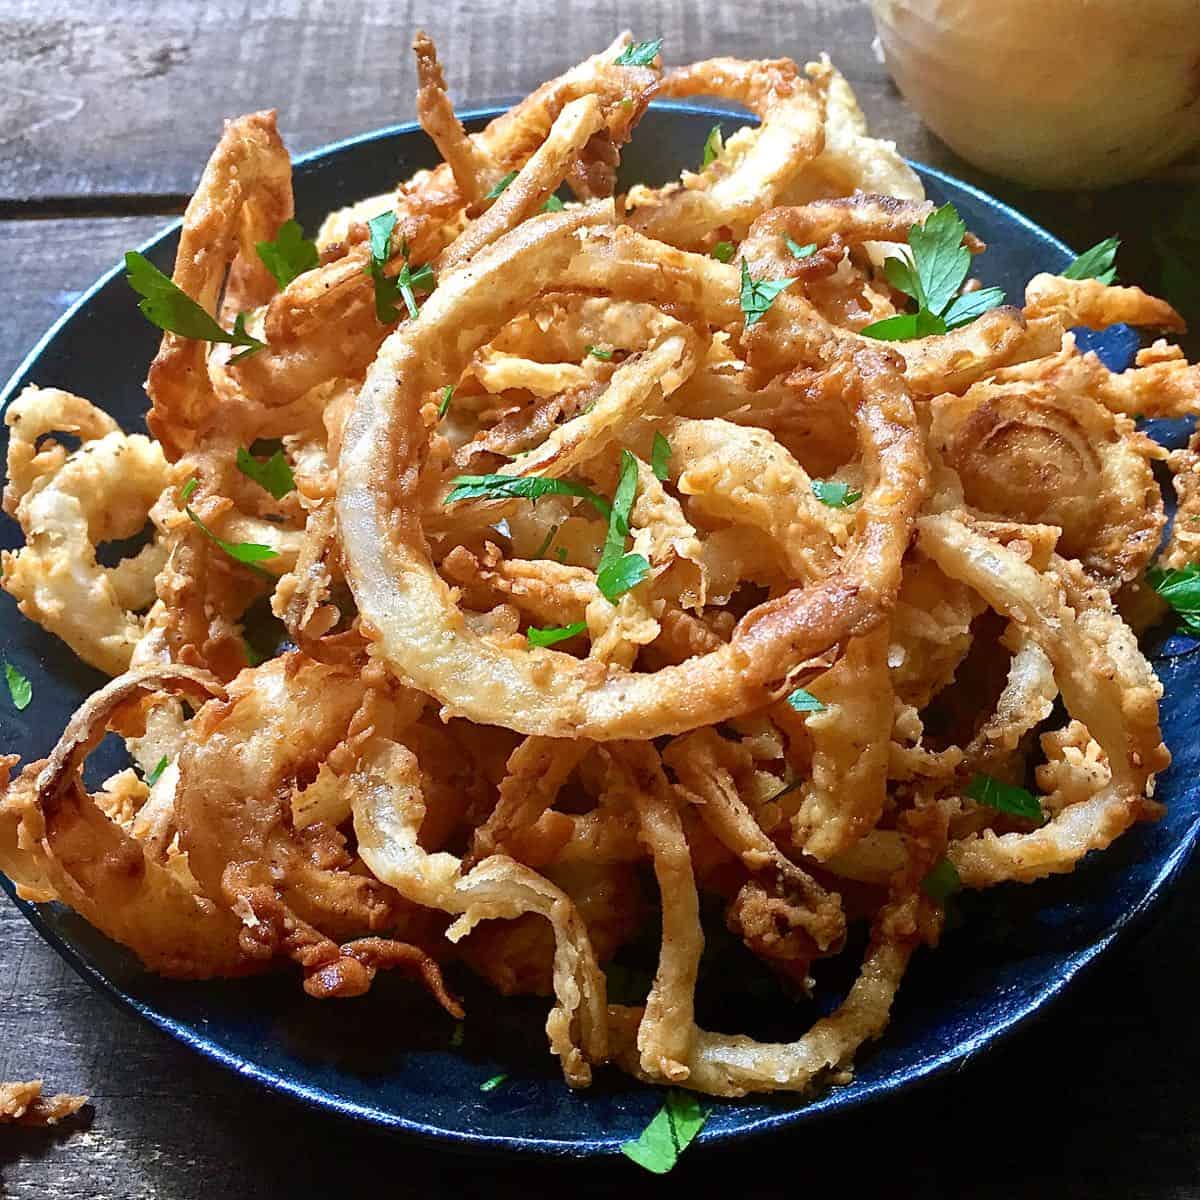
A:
45,208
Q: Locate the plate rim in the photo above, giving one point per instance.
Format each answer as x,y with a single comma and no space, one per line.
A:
475,1141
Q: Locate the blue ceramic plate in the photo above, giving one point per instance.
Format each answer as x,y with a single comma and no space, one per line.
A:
386,1058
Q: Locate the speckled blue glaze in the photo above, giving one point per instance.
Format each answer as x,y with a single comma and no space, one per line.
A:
385,1058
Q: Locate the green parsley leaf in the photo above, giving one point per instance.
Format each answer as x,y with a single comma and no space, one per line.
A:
380,229
759,294
939,267
905,326
289,255
387,292
522,487
404,286
447,396
962,310
541,550
616,578
834,493
600,352
616,571
156,774
941,260
274,475
456,1038
560,552
639,54
713,145
660,457
408,282
242,338
490,1085
618,517
1181,590
1096,263
1005,798
800,251
942,881
618,520
900,274
166,305
253,655
553,204
19,688
557,633
669,1134
499,186
723,251
803,701
249,553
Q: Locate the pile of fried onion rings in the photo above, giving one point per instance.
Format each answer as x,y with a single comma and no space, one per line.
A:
411,779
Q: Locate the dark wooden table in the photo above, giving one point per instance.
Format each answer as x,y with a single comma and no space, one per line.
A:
107,112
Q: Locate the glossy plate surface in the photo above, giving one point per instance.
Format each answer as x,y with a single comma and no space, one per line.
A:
386,1058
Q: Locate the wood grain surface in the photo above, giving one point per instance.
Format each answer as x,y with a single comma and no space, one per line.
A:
107,112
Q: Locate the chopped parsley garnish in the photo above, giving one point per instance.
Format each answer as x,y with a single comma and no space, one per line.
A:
723,251
19,688
553,204
621,575
617,571
156,774
905,326
1005,798
800,251
805,702
490,1085
523,487
660,457
1096,263
498,187
942,881
759,294
713,145
166,305
834,493
639,54
669,1134
249,553
557,633
939,267
541,550
289,255
274,475
1181,590
389,291
447,396
600,352
253,655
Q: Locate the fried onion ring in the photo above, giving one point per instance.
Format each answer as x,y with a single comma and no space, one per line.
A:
542,691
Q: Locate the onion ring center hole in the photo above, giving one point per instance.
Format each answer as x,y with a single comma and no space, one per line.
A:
111,553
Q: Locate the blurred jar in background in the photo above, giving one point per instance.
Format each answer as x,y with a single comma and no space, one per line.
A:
1051,93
